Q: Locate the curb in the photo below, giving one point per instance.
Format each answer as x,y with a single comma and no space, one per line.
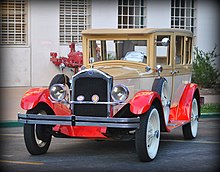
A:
7,124
210,115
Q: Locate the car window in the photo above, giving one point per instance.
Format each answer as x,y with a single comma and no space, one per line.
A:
131,50
188,50
162,51
179,57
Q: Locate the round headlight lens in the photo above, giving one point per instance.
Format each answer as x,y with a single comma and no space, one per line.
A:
58,92
120,93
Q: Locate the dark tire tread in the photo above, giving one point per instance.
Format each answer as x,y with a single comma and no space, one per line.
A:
29,134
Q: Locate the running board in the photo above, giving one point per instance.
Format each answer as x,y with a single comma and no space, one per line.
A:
176,123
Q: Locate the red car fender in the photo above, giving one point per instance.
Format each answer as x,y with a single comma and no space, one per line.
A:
185,104
36,95
142,101
33,96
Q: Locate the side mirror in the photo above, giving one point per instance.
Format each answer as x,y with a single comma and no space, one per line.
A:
91,60
159,69
165,41
147,68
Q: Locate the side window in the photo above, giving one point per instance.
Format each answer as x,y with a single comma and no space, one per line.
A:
163,50
179,57
188,50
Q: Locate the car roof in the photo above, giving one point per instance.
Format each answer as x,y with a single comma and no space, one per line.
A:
133,31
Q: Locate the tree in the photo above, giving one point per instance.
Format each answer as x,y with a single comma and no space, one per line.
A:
205,71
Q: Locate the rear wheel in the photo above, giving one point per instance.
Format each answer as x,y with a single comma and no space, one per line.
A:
148,135
37,137
190,129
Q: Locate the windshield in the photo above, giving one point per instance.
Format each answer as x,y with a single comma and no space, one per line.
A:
129,50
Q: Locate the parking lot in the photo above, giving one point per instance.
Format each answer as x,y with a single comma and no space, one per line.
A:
175,153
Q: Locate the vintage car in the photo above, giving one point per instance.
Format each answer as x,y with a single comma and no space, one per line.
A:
133,85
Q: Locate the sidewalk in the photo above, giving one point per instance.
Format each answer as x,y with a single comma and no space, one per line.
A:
10,103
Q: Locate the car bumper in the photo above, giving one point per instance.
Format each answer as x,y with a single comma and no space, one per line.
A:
79,121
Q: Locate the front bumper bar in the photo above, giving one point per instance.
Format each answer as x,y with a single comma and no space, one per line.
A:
79,121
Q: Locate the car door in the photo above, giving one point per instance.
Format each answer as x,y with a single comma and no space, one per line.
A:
164,53
181,72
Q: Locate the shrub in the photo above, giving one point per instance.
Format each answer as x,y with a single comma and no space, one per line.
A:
205,72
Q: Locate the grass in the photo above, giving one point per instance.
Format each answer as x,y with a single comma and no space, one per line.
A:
210,108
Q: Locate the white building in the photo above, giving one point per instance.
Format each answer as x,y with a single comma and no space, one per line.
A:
31,29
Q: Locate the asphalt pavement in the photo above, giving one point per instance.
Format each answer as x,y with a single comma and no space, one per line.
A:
175,154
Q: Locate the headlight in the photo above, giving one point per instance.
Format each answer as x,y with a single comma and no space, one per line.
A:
58,92
120,93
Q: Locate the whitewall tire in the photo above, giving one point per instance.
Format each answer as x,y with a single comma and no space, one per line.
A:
148,135
190,129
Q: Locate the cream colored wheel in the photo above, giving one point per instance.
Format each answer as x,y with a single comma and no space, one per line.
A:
190,129
148,135
165,99
153,134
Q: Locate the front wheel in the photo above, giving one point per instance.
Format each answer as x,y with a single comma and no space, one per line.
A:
148,135
190,129
37,137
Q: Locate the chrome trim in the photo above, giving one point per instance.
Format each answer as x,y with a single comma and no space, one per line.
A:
104,119
64,94
110,125
79,121
91,69
105,76
44,119
124,87
90,102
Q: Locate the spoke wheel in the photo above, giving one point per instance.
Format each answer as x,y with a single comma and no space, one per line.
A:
148,135
165,99
190,129
161,86
37,137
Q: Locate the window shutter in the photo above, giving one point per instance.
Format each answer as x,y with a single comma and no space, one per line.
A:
74,17
13,24
131,14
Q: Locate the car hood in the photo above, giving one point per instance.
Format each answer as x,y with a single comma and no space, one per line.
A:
119,69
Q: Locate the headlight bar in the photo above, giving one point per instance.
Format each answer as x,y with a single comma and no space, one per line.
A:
58,93
88,102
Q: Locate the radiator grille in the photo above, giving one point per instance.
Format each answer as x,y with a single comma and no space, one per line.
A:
87,87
